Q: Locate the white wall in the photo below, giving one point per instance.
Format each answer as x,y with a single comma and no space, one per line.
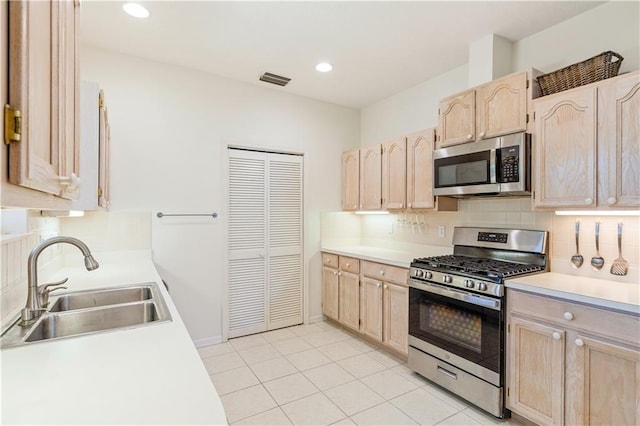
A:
170,127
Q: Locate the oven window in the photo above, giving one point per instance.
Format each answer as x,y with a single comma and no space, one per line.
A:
455,325
470,331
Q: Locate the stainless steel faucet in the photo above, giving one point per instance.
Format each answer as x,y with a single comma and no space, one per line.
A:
38,296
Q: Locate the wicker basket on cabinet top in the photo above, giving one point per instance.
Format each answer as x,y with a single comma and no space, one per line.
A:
600,67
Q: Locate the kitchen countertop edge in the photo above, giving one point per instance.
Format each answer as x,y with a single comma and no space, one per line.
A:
623,297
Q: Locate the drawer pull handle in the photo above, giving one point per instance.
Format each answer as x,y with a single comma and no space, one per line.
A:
568,316
579,342
556,335
447,373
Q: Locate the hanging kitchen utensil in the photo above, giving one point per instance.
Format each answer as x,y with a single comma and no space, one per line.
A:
577,259
620,265
597,261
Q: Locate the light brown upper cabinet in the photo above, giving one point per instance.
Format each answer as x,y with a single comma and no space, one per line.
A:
351,180
587,146
420,174
487,111
371,178
44,88
394,174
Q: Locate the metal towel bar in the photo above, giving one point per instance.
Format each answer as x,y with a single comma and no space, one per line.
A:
161,215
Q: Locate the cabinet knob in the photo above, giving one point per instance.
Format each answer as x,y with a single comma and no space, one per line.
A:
481,134
339,274
355,206
378,285
588,200
469,136
348,264
335,273
611,201
409,205
381,272
328,260
568,316
579,342
386,286
556,335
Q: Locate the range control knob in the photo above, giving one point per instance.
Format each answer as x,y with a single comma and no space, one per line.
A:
469,283
419,273
446,279
428,275
482,286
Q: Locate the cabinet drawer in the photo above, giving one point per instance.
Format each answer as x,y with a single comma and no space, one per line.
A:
384,272
330,260
583,318
349,264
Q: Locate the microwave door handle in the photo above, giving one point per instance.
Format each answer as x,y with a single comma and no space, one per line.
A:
492,166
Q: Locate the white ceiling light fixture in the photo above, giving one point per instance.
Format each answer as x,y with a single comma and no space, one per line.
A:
324,67
136,10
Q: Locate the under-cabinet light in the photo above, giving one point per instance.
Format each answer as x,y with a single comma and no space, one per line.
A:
136,10
372,212
598,212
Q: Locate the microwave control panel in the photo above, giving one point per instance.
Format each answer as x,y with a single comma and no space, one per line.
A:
509,161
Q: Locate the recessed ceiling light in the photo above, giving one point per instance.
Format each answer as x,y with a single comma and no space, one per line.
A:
136,10
324,67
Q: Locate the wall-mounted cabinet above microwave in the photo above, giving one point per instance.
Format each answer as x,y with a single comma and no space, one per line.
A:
498,167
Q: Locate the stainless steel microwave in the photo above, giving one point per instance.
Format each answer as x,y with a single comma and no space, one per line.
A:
499,167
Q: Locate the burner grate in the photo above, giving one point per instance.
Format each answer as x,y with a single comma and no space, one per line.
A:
491,268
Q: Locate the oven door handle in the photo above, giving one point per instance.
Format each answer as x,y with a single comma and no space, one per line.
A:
456,294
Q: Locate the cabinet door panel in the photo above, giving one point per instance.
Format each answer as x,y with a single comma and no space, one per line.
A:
536,369
502,106
420,170
330,292
605,387
394,175
458,119
565,148
33,162
351,180
396,316
371,308
626,182
371,178
349,300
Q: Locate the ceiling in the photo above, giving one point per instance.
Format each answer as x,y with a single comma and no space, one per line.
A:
377,48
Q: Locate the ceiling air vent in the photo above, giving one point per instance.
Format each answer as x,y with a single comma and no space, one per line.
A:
274,79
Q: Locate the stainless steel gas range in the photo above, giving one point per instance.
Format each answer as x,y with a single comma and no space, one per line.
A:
457,310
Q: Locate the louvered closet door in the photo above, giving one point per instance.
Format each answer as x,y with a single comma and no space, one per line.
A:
284,232
265,241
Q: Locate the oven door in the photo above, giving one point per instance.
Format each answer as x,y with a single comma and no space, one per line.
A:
461,328
466,169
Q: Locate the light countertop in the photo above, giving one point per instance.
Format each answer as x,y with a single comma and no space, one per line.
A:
382,255
616,295
147,375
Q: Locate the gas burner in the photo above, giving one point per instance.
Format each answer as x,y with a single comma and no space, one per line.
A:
476,266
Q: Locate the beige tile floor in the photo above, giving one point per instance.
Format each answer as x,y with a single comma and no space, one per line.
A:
319,374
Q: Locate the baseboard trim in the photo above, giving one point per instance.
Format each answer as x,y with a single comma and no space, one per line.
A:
317,318
207,341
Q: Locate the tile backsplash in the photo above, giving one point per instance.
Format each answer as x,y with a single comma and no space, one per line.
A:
403,231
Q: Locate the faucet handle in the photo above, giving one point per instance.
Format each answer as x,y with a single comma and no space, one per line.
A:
45,289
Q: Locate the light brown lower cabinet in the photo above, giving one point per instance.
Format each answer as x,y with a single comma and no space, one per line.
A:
374,302
341,289
569,363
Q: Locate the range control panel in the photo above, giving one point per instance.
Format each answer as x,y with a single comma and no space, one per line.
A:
493,237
